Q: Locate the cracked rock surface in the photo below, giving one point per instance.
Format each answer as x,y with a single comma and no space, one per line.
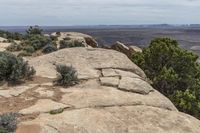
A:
113,96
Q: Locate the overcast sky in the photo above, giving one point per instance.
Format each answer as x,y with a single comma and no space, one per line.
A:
95,12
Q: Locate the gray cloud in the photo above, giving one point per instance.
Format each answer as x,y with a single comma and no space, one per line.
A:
85,12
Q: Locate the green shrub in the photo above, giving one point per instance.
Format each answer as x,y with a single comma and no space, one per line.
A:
58,33
24,53
14,69
53,38
14,47
49,48
57,111
29,49
67,75
8,122
11,36
174,72
70,44
65,44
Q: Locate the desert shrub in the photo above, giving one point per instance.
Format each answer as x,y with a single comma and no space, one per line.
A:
53,38
67,75
174,72
70,44
57,111
58,33
14,47
24,53
8,122
11,36
65,44
49,48
14,69
38,41
29,49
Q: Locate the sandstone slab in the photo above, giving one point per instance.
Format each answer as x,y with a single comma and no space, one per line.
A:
124,119
135,85
109,81
43,106
87,61
16,91
109,72
123,73
92,94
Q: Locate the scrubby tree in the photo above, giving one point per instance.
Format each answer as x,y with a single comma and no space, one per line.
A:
34,30
174,72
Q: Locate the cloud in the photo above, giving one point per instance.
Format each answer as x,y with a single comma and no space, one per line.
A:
80,12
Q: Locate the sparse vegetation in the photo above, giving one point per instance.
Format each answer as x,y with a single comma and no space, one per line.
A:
14,69
49,48
66,43
57,111
14,47
11,36
174,72
34,40
8,122
67,75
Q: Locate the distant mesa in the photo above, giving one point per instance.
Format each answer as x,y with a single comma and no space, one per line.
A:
86,40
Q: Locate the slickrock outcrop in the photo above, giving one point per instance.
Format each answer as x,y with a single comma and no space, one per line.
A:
128,50
87,41
112,96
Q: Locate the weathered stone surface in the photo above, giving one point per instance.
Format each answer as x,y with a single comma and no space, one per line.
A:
85,60
121,48
42,106
124,119
44,92
86,40
129,105
134,49
109,72
126,74
135,85
91,94
109,81
47,84
128,50
16,91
